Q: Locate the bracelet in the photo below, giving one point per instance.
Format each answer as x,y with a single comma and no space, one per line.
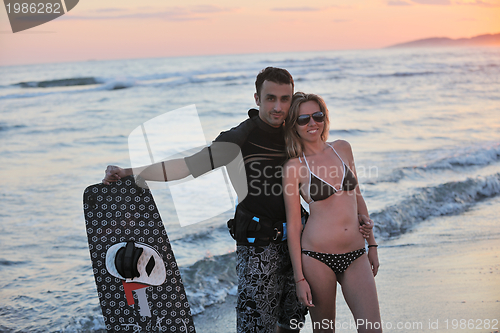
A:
375,245
303,279
164,171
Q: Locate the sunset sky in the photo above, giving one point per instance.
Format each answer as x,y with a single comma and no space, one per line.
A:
112,29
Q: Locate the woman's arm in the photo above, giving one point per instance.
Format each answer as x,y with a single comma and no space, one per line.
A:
372,243
294,229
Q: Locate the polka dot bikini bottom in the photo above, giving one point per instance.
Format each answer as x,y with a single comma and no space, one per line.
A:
337,262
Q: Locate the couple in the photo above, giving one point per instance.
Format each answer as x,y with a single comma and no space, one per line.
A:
268,286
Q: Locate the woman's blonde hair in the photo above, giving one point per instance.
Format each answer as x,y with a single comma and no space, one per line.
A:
293,142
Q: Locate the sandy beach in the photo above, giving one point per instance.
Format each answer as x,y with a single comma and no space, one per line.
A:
424,285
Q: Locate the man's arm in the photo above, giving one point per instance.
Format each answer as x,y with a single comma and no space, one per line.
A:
162,171
223,151
209,158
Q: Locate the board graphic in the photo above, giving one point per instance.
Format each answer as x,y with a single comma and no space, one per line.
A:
137,278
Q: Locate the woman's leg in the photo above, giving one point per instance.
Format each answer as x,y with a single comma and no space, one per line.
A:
323,283
360,293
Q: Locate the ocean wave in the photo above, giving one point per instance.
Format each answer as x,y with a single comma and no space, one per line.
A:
112,84
102,84
393,177
5,262
118,84
90,324
405,74
196,76
210,280
78,81
54,130
445,199
103,139
7,127
306,64
41,88
473,157
401,74
353,131
216,78
20,320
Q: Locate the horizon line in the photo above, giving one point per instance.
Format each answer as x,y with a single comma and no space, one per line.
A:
233,54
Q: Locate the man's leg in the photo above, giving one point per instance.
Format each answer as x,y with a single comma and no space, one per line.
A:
259,291
292,314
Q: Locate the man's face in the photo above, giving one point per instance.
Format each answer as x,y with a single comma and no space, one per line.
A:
274,102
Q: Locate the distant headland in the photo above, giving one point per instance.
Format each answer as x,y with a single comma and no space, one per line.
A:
481,40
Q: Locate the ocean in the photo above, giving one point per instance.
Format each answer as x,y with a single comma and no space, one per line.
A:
424,125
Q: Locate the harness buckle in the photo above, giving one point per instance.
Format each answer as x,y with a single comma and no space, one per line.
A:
277,235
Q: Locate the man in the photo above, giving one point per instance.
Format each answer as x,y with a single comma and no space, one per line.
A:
267,300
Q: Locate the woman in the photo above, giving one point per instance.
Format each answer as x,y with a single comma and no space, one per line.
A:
330,248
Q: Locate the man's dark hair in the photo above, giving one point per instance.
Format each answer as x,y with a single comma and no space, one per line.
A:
273,74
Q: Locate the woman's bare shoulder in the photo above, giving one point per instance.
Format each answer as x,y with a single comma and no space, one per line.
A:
293,168
293,163
344,149
342,145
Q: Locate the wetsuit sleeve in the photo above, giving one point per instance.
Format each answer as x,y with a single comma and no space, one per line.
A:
224,150
197,163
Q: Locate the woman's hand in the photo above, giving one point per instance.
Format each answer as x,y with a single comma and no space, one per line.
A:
304,293
113,173
373,258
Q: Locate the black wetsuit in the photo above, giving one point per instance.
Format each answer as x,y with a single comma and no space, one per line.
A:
266,288
263,150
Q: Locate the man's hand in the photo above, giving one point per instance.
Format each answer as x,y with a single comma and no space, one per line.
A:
113,173
365,226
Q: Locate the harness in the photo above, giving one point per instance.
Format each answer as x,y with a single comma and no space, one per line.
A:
249,229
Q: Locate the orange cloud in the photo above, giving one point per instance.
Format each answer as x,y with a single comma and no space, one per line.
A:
479,3
433,2
171,14
398,3
296,9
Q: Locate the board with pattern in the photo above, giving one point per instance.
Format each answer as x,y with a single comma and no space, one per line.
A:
138,281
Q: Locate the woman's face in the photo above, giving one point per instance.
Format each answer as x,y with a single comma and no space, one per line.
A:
312,130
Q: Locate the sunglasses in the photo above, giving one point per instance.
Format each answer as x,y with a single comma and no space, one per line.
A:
304,119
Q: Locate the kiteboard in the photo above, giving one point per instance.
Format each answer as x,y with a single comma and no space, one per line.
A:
138,281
